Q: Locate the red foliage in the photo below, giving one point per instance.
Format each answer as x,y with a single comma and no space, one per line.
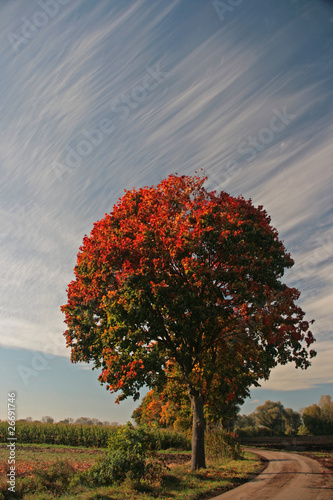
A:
182,274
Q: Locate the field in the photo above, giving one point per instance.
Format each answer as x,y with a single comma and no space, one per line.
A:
45,470
176,480
292,443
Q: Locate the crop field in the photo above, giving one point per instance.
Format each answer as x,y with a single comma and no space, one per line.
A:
29,456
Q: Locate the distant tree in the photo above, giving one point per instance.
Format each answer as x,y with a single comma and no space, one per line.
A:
84,421
96,421
293,421
318,418
66,421
312,418
47,420
245,425
177,273
326,406
270,418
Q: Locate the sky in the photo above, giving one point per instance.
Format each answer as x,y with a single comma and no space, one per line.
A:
98,97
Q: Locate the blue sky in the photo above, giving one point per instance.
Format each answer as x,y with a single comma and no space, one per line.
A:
98,97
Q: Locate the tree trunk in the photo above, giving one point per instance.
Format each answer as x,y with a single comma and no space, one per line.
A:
198,431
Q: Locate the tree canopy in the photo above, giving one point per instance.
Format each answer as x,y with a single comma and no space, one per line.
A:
318,418
179,274
269,419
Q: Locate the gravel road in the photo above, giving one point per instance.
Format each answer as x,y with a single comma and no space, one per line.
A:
288,476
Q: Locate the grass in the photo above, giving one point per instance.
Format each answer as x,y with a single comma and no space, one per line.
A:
177,482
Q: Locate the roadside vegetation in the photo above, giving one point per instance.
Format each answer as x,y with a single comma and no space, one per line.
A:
135,465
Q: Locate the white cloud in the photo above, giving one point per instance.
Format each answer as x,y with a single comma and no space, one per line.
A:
288,378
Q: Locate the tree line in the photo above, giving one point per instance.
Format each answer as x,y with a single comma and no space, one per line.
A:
272,419
47,419
269,419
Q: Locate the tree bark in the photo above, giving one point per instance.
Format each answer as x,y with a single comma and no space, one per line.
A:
198,431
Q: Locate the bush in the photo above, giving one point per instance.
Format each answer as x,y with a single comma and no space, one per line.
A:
137,440
303,431
114,468
130,456
222,444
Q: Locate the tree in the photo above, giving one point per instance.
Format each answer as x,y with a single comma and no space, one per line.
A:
177,273
171,406
326,406
66,421
87,421
270,417
318,418
293,421
312,419
245,425
47,420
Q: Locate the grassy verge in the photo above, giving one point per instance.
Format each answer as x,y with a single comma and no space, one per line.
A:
177,481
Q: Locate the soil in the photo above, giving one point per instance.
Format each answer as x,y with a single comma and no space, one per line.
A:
174,458
326,460
292,443
51,449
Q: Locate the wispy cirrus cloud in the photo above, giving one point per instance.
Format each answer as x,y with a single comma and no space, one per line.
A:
222,87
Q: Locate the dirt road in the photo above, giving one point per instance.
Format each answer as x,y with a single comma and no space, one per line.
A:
287,477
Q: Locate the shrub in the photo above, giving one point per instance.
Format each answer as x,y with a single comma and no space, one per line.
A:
129,457
137,440
114,468
222,444
303,431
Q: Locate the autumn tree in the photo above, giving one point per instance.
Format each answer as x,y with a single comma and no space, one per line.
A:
170,407
178,273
